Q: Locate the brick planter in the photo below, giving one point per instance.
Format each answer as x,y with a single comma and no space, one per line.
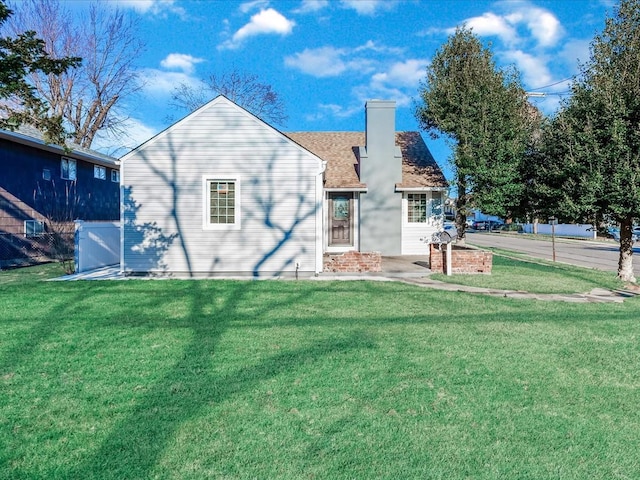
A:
353,262
463,260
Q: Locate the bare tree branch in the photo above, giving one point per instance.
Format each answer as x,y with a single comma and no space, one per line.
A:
106,39
245,89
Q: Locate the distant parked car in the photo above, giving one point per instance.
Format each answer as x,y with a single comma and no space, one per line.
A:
486,225
615,233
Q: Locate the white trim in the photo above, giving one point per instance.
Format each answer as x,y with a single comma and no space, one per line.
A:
414,234
348,189
319,220
356,225
421,189
206,202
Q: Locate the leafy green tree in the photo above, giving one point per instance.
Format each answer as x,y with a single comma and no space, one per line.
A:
595,137
484,112
19,57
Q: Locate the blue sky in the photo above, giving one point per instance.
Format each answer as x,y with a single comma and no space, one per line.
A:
326,58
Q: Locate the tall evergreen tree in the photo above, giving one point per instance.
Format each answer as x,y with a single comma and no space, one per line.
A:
484,112
596,137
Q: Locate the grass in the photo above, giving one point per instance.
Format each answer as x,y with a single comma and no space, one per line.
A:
513,271
229,379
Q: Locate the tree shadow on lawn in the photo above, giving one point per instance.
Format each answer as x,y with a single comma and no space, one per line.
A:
39,332
135,445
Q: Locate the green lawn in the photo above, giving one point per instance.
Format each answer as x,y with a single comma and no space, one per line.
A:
281,379
513,271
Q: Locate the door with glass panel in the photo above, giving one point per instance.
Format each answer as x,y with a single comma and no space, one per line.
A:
340,219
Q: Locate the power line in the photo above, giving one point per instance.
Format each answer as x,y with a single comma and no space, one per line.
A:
556,83
546,94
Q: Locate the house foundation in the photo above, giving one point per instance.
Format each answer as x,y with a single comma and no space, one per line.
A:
353,262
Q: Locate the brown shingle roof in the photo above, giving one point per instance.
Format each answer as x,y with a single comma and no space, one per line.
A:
419,168
339,149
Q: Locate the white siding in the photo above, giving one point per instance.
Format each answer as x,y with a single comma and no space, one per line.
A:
415,234
163,198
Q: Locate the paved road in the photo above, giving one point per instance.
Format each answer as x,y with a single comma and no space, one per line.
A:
600,255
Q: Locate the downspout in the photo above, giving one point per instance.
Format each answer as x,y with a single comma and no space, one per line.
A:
320,216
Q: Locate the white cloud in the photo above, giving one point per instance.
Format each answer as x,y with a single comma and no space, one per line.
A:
335,111
521,23
534,70
330,61
138,132
374,47
180,61
159,84
319,62
405,74
134,133
369,7
310,6
268,21
385,92
246,7
153,7
575,52
490,24
541,24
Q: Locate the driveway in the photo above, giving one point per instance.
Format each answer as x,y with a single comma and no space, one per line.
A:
602,255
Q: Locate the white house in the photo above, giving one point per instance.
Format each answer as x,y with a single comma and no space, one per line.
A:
223,193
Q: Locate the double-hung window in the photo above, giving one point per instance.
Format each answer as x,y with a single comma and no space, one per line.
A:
68,168
99,172
417,207
33,228
222,203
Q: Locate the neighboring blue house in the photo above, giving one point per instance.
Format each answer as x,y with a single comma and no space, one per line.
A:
223,193
42,183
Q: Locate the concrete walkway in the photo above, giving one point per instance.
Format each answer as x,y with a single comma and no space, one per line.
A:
413,270
597,295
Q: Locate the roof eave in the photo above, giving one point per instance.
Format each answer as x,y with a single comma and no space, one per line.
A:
346,189
409,188
50,147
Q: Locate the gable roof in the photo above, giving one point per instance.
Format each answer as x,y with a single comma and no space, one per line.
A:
32,137
220,99
340,150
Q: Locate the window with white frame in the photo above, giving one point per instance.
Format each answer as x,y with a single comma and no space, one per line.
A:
33,228
68,169
222,207
46,174
417,207
99,172
115,176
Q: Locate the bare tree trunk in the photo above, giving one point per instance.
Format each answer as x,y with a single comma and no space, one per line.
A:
625,263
